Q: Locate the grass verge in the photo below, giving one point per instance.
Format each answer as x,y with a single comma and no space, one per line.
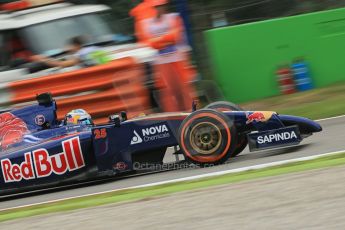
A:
314,104
157,191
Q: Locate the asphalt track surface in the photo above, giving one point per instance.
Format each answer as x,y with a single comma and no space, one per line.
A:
332,139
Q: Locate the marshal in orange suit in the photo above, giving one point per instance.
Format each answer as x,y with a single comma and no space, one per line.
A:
165,32
142,11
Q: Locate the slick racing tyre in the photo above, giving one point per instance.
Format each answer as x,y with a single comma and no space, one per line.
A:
228,106
224,106
207,137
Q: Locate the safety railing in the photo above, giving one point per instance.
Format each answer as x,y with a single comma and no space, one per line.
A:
100,90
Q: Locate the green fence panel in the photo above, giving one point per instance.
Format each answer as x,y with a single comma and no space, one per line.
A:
246,57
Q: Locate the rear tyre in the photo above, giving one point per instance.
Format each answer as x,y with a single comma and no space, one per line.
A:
223,106
207,137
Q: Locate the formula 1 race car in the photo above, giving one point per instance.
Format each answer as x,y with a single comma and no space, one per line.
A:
38,151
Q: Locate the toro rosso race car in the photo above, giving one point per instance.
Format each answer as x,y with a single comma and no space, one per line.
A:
39,151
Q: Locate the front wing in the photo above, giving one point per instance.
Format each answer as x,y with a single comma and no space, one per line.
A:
274,138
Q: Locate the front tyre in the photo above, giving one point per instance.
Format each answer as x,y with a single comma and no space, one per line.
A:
207,137
223,106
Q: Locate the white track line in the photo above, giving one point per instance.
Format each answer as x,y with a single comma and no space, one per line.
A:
330,118
220,173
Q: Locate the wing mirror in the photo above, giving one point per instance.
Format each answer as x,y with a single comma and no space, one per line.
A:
45,99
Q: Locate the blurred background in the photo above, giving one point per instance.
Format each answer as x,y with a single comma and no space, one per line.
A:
263,54
205,15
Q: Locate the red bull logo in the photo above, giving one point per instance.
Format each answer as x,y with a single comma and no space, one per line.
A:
259,117
39,164
12,130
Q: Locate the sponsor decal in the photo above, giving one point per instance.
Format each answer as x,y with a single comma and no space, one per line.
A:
150,134
39,164
259,117
121,166
40,119
273,138
71,119
276,137
136,139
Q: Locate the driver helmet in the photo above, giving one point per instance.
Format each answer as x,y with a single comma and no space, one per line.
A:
78,117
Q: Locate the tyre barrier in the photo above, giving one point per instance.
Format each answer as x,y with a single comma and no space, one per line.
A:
101,90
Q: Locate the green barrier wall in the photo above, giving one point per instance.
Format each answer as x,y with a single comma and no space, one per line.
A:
246,57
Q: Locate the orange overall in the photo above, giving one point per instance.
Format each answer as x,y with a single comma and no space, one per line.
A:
166,34
141,12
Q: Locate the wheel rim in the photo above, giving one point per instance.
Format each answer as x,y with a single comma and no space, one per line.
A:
205,138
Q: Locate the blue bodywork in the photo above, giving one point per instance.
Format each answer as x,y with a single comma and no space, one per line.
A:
51,154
